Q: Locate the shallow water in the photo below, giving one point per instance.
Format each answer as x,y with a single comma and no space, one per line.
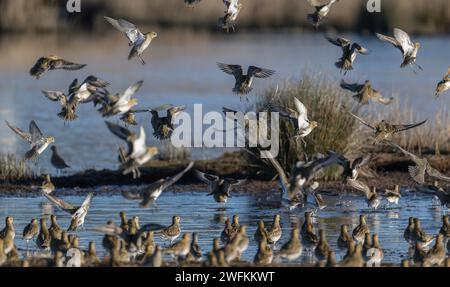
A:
199,213
182,70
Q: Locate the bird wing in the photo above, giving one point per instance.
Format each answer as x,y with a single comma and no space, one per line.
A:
132,195
172,180
139,145
360,49
65,206
391,40
96,82
359,185
126,96
84,206
360,161
66,65
403,39
174,112
235,70
436,174
351,87
254,71
35,132
405,152
400,128
56,96
382,100
302,113
340,42
363,122
121,132
205,177
26,136
129,29
278,168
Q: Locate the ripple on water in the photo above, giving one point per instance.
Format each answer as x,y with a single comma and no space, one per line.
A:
199,213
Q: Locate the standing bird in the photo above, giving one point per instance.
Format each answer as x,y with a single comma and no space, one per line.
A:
408,233
275,231
52,62
422,167
138,152
443,85
43,239
292,249
170,232
264,254
78,212
344,237
371,194
218,187
361,230
303,126
365,93
393,195
57,161
349,52
31,230
35,138
163,127
419,235
322,248
181,248
384,131
445,228
47,185
154,190
402,42
243,82
138,41
321,12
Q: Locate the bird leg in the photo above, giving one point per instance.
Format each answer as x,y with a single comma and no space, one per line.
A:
142,60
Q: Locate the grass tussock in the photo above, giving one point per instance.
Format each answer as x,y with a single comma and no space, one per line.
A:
13,170
337,130
327,104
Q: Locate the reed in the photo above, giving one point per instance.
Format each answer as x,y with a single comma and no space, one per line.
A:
14,170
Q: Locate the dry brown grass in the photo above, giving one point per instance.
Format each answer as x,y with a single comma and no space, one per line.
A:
13,170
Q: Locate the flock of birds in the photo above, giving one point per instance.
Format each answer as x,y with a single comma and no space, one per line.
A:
131,244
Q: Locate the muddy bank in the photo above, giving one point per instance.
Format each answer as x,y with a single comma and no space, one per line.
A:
389,169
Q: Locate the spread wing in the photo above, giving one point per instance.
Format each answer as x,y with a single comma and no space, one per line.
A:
400,128
56,96
403,39
139,145
35,132
391,40
129,29
359,185
205,177
65,206
126,96
437,174
259,72
351,87
363,122
278,168
235,70
172,180
121,132
360,49
84,206
340,42
174,112
66,65
302,113
26,136
382,100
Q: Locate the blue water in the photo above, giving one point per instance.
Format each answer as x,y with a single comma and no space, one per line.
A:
182,70
199,213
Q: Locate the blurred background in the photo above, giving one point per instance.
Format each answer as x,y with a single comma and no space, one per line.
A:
181,63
